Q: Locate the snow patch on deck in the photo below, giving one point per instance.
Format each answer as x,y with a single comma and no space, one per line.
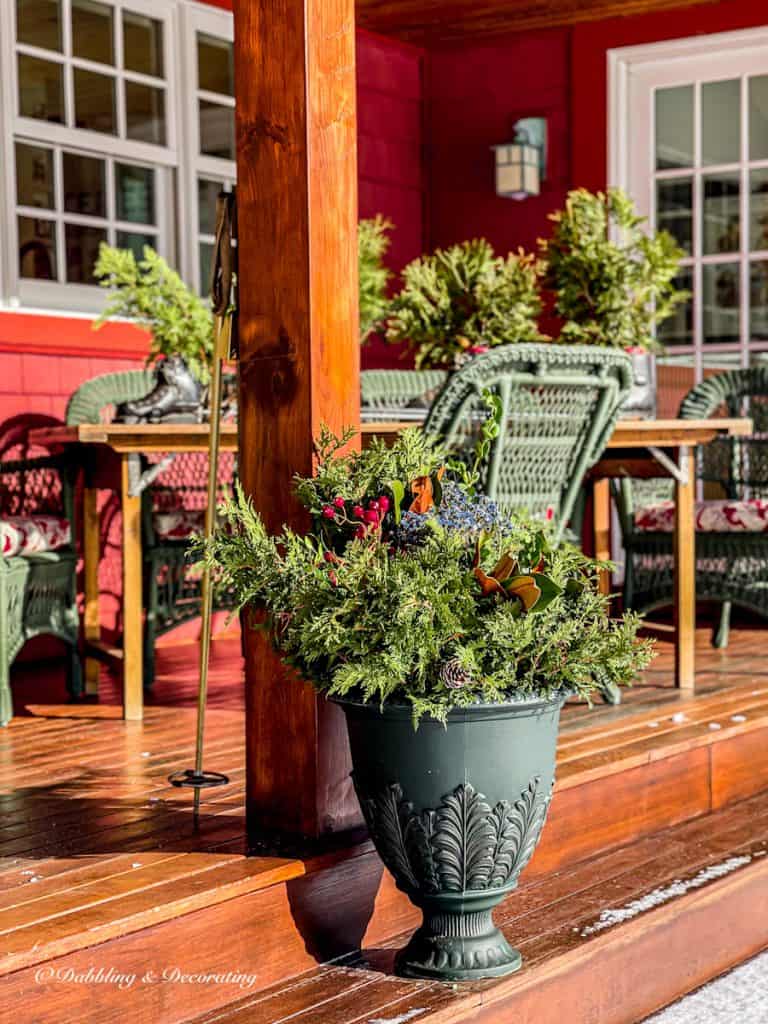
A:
402,1019
617,915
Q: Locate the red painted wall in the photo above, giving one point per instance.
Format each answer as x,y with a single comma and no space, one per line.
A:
44,358
589,78
474,96
475,93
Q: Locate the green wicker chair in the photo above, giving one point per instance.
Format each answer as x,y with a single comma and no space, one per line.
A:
560,405
731,566
38,592
171,583
391,394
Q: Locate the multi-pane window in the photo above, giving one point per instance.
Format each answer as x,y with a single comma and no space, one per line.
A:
711,193
212,133
69,202
119,128
695,157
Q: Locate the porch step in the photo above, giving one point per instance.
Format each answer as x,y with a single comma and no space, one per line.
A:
122,880
611,940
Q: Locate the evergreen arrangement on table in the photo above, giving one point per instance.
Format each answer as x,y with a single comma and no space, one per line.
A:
463,300
373,276
612,281
152,294
409,588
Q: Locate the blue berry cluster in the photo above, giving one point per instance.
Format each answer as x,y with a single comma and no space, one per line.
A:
458,512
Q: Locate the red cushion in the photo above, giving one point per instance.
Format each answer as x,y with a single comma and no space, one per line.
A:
33,535
711,517
178,524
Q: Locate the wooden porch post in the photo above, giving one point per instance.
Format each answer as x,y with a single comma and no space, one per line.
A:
297,216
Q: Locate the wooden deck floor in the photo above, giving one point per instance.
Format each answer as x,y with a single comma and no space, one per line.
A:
96,847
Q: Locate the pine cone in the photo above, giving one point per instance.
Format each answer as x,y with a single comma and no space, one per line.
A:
454,675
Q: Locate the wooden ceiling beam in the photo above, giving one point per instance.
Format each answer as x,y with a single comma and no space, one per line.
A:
431,21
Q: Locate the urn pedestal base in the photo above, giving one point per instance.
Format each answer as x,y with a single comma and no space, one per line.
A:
457,946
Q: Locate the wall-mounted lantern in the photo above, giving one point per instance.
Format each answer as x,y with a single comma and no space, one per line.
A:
521,164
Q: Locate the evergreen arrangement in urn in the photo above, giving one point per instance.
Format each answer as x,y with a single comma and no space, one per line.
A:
463,300
410,589
152,294
612,280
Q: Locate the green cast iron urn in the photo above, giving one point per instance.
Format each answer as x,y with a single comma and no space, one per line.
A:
455,812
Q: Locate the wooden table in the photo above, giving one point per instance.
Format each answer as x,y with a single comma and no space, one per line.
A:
649,448
112,457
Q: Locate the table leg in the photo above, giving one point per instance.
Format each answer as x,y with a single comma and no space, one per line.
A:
91,555
685,572
133,683
601,518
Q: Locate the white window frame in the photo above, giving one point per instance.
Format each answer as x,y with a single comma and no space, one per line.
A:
177,165
213,22
633,74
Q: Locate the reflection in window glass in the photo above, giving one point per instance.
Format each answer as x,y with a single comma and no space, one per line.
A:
142,44
674,210
758,117
678,329
34,176
37,249
135,191
758,300
135,241
215,68
206,256
217,130
94,101
758,210
38,23
41,89
721,302
82,245
145,113
721,214
84,184
207,194
721,122
92,31
674,127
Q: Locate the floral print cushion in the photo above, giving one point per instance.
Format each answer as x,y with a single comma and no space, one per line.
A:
711,517
178,524
33,535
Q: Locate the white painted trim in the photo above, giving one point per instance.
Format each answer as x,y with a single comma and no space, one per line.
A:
633,75
176,164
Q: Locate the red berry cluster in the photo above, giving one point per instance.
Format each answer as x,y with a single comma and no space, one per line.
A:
363,519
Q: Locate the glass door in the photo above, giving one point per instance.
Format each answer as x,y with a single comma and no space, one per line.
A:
694,154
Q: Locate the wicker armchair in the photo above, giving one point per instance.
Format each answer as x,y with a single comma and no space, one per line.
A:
560,405
38,590
731,524
173,508
392,394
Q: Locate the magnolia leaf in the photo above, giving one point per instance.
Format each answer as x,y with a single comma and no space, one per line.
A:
423,495
576,586
549,590
488,584
504,568
525,588
398,493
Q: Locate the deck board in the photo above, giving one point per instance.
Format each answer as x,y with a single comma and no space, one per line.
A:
551,921
96,847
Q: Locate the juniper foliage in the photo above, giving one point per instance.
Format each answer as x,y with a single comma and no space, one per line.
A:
151,293
379,620
372,245
458,298
612,281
